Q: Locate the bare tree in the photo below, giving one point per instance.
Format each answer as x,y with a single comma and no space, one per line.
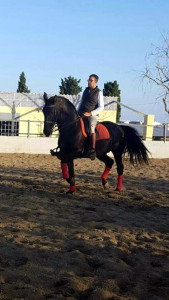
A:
157,69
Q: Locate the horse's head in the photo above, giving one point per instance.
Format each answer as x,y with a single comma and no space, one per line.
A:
57,110
49,111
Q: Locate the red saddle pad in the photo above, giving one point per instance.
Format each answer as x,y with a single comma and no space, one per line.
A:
103,133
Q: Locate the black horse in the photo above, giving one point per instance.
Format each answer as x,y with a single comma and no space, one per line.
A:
72,143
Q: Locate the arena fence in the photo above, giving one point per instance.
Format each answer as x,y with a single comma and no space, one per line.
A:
35,129
160,132
23,128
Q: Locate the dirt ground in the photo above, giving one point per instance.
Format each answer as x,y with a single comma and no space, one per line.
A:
93,245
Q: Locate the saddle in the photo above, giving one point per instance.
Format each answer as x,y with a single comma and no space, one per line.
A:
102,132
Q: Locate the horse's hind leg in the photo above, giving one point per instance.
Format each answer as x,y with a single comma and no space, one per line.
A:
108,165
120,168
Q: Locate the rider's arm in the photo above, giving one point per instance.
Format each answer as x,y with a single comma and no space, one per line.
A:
100,105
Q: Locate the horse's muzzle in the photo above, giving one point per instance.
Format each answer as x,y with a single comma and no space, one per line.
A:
46,133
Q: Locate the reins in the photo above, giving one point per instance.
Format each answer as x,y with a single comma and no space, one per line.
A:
65,125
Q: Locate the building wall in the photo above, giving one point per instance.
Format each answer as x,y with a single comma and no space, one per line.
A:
32,120
36,119
36,127
108,115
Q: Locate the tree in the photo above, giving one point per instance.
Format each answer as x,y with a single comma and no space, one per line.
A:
112,89
157,69
22,88
70,86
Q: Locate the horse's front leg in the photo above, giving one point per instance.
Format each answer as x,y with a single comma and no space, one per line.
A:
68,174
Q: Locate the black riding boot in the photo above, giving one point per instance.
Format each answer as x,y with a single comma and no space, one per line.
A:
92,151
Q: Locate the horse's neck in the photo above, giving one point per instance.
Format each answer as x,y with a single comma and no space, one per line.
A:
70,136
65,120
68,123
69,126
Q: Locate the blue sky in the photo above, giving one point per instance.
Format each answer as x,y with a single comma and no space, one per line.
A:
52,39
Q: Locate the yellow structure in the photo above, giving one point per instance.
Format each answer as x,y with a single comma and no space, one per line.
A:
29,122
108,115
29,115
31,119
148,129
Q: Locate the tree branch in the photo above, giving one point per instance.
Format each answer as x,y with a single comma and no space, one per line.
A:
157,81
165,105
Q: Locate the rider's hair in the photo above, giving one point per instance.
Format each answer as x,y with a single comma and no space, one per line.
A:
95,76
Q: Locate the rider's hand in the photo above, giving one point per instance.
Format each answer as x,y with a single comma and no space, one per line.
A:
87,114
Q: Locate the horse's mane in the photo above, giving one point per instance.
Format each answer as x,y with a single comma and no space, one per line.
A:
67,102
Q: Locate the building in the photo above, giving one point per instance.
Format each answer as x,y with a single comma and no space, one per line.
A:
21,114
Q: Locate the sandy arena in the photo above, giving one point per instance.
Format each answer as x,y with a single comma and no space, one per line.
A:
93,245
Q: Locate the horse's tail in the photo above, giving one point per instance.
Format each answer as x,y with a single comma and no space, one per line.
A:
134,146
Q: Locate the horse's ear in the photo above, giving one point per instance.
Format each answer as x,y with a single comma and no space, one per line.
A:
45,97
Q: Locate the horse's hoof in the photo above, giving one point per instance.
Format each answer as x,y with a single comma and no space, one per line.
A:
69,192
117,190
105,183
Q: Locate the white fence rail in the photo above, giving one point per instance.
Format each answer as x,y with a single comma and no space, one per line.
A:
42,145
22,128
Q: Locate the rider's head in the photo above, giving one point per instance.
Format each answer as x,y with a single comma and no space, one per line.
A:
92,81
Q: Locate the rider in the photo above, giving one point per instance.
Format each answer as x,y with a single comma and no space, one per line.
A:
90,106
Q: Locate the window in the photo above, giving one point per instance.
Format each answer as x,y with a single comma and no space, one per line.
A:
6,128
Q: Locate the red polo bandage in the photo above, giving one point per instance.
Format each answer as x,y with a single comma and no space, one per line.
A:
119,182
106,173
65,173
72,188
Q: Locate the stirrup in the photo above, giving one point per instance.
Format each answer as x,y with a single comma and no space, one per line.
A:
54,151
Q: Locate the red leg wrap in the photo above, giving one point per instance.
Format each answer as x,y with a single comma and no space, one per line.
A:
72,188
65,173
119,182
106,173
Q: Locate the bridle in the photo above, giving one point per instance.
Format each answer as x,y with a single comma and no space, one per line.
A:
65,125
